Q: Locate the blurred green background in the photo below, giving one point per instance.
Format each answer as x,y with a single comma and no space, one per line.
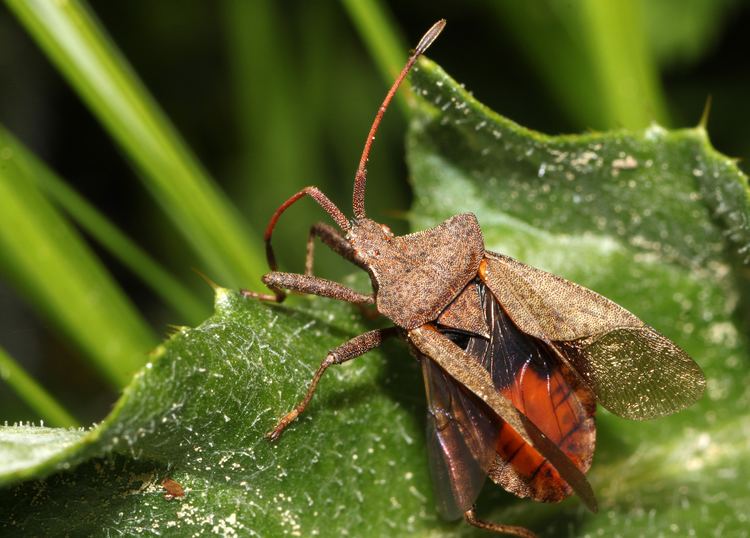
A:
270,97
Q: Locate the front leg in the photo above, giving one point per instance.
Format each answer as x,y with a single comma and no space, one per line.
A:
333,240
359,345
311,285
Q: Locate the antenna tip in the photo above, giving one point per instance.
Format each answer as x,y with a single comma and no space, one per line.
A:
429,36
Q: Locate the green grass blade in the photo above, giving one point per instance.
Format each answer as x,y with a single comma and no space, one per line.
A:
380,35
304,96
172,292
593,57
55,270
33,394
617,40
78,46
275,118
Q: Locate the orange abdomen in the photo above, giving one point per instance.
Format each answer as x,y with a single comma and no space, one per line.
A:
564,414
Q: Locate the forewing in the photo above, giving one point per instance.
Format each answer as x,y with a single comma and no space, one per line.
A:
634,371
547,306
461,436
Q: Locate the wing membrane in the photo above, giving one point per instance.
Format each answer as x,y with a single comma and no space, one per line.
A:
461,436
636,373
633,370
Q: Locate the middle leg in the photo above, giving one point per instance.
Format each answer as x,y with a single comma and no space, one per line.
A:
308,284
359,345
331,237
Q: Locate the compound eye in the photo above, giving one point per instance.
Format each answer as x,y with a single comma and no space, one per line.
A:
386,230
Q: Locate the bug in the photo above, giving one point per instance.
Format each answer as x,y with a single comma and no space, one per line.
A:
513,358
172,489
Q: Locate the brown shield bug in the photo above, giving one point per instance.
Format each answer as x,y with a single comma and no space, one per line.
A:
513,358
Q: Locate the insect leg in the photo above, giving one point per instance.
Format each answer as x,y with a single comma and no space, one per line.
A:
331,238
312,285
359,345
336,242
277,297
324,202
511,530
307,283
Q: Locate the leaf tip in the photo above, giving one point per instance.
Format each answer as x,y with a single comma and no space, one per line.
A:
222,297
703,123
205,277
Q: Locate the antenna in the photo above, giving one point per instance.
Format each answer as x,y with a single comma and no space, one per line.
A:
360,178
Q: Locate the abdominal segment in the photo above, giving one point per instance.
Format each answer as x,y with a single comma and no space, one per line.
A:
564,415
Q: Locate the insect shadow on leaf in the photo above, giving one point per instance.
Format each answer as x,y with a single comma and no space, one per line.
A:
513,358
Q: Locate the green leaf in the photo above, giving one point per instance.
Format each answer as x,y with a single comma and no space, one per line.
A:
24,448
657,220
198,413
